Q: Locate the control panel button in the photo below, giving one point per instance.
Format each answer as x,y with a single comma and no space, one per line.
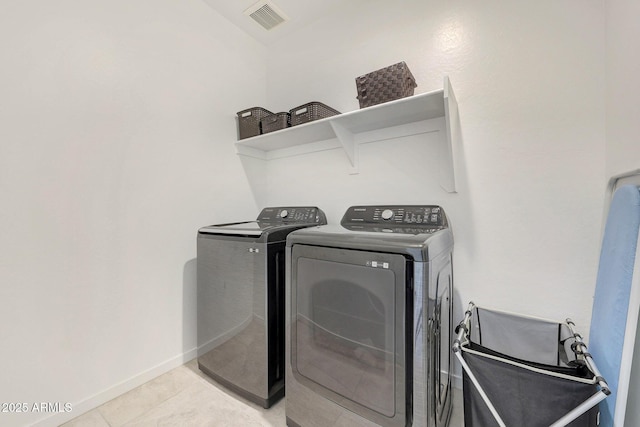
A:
284,213
387,214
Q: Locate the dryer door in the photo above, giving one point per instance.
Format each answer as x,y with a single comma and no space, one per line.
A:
348,329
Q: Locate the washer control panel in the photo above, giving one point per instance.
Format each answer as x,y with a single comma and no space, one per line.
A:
414,219
295,214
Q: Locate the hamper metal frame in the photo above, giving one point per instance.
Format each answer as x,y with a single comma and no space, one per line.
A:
463,341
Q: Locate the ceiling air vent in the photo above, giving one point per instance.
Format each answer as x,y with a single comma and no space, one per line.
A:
266,14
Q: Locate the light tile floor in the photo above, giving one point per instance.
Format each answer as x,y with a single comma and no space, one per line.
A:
187,397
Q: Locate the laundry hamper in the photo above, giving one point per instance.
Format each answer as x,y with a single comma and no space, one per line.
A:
521,371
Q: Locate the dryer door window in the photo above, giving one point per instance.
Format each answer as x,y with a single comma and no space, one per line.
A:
348,340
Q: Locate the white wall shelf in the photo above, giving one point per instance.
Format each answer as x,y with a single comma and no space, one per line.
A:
390,120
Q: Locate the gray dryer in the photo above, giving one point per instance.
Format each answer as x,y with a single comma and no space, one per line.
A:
369,312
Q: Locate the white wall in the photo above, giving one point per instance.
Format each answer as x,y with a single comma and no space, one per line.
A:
622,124
623,86
529,79
115,146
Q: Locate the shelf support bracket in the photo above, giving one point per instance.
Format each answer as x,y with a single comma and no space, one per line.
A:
449,151
347,140
250,152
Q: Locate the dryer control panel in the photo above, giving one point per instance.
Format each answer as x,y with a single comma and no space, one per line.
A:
293,214
414,219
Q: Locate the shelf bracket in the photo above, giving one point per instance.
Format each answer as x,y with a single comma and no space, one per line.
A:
449,151
350,146
250,152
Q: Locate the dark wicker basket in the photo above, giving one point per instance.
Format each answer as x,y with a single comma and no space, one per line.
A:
249,121
310,112
386,84
275,121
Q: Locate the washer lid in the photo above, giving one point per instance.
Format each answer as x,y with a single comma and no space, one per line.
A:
247,228
272,224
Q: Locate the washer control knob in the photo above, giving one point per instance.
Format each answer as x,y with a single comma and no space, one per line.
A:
284,213
387,214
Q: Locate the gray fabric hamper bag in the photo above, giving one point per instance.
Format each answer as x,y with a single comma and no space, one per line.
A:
521,371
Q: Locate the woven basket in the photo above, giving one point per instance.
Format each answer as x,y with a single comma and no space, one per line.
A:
310,112
274,122
249,121
386,84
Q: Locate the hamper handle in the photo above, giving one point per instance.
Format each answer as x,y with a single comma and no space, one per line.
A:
463,328
584,351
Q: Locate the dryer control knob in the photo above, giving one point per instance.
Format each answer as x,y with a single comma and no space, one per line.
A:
387,214
284,213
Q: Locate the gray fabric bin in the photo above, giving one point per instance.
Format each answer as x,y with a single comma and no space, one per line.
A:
532,372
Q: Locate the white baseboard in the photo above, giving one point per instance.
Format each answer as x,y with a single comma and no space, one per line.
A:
104,396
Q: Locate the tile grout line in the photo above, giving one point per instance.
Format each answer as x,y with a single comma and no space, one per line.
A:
150,409
103,417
